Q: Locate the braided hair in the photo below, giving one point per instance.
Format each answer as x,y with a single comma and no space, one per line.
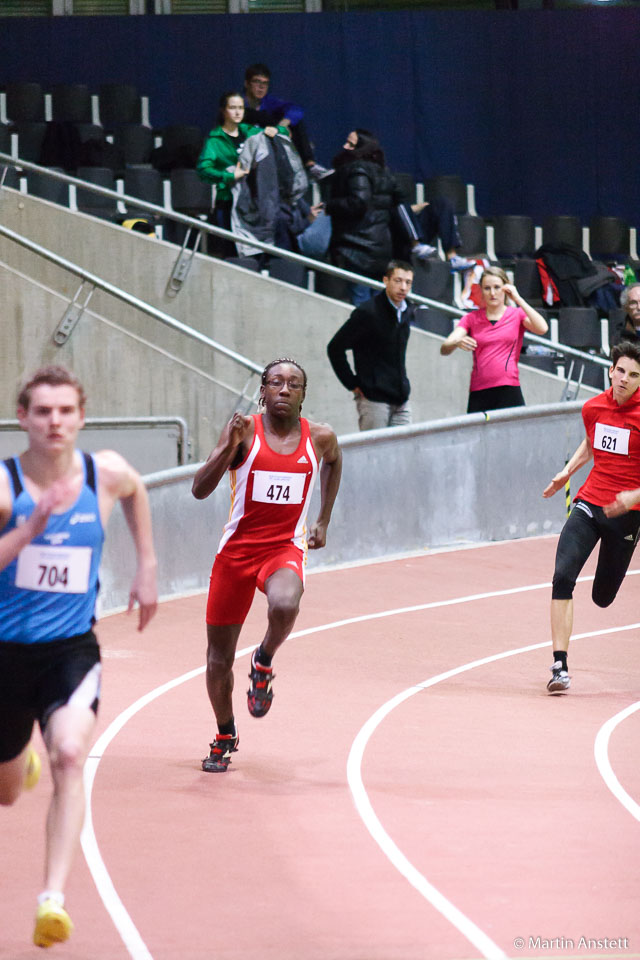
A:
274,363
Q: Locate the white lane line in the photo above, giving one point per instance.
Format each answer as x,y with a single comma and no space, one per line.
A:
449,911
459,920
601,752
113,904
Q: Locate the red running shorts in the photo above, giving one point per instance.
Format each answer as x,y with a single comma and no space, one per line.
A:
233,581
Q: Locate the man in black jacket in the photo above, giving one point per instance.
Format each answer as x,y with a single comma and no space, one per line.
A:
378,332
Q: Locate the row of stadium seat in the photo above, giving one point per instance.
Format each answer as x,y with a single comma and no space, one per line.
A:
114,103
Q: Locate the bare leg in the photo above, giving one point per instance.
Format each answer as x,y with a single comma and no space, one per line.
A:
561,623
12,774
67,737
284,590
221,651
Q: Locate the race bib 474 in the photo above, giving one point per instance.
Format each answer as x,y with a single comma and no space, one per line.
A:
278,488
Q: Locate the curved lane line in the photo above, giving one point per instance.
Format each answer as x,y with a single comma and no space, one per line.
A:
601,752
113,904
466,927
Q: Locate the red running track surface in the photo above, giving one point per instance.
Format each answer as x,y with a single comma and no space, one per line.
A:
485,788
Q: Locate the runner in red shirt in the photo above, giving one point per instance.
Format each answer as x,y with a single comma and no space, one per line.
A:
273,459
607,505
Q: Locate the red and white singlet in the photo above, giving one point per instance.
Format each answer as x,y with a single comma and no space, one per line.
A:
270,496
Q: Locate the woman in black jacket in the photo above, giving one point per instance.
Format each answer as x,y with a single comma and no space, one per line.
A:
363,196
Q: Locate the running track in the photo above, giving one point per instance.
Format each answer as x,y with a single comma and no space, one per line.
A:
413,795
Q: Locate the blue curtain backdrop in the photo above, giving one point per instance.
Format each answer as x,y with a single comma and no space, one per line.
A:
539,109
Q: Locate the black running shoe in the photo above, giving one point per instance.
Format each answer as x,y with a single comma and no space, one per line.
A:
220,756
259,694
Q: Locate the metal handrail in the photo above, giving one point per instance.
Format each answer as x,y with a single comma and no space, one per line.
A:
277,251
569,351
193,222
127,423
128,298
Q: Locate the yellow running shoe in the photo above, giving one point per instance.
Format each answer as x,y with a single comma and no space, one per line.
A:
32,770
53,924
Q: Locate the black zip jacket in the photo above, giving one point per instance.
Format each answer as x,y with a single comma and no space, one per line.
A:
379,345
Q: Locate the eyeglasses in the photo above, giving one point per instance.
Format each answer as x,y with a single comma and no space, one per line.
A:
259,82
278,383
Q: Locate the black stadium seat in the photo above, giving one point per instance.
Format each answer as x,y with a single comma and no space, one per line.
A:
449,186
94,203
579,327
5,138
473,234
407,185
562,229
31,134
514,236
25,101
135,141
608,238
433,279
145,183
48,188
71,102
118,103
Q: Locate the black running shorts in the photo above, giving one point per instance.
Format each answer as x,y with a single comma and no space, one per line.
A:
37,678
587,524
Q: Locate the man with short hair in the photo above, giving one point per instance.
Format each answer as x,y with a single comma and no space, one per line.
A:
273,460
607,505
264,109
378,333
54,505
629,327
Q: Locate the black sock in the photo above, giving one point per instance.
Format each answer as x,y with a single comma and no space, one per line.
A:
560,655
262,658
227,729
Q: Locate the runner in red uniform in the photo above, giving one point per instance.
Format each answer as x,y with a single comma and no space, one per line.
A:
607,505
273,459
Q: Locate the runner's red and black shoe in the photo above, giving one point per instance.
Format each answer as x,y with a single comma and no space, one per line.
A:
260,693
220,756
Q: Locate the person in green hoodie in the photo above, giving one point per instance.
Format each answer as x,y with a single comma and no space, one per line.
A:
218,161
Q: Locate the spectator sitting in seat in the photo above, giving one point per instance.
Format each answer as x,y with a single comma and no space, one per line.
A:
218,162
418,225
264,109
629,328
413,227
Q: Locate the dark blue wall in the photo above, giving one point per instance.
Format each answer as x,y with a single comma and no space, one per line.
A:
540,109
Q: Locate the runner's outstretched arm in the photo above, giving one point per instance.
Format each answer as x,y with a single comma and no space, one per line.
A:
330,474
582,455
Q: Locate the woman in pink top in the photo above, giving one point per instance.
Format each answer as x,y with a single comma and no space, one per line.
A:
494,335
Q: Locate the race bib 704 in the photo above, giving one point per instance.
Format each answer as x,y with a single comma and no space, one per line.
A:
278,488
54,569
611,439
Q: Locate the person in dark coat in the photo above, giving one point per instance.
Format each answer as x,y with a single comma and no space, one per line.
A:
363,195
377,332
629,327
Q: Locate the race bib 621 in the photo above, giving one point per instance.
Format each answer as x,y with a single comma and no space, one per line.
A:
611,439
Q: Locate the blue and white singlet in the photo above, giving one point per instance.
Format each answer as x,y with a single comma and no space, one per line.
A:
49,591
